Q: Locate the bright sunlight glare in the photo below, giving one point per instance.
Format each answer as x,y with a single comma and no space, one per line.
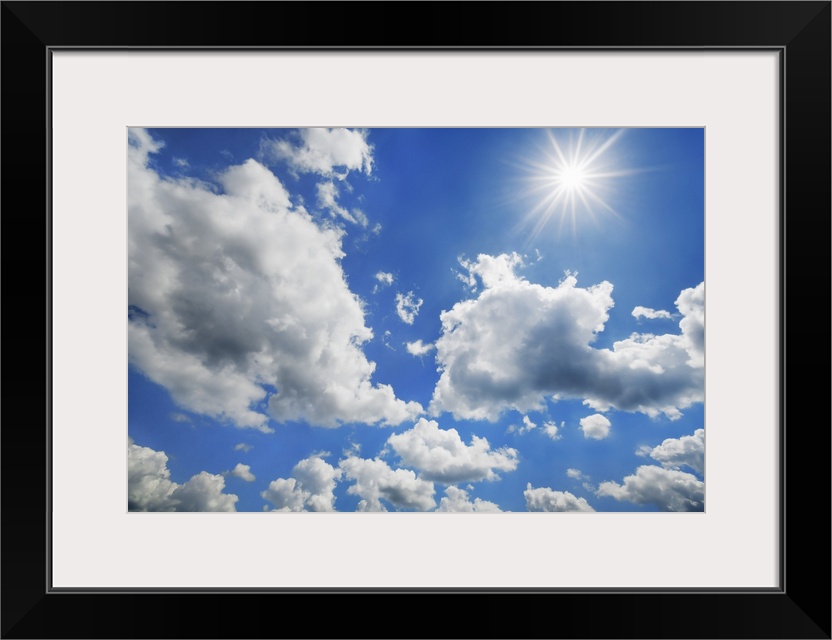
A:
572,178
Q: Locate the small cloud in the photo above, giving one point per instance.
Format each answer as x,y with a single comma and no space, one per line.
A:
327,152
384,280
545,499
179,417
575,474
527,426
651,314
418,348
551,430
181,163
245,448
407,306
243,472
595,426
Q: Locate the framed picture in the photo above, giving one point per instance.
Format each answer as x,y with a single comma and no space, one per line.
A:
112,111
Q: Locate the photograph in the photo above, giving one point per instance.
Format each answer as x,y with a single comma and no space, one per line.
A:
342,319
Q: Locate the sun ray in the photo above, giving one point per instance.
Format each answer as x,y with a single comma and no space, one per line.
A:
573,179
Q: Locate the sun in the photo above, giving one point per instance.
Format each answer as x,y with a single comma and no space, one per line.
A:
573,177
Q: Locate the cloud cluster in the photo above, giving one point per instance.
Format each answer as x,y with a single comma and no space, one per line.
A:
545,499
311,487
374,480
236,292
441,455
518,343
407,306
149,487
668,489
456,500
688,451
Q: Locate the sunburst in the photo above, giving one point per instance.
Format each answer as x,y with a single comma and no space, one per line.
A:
574,178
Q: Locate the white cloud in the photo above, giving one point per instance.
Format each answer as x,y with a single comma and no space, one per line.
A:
527,426
669,489
441,455
418,348
243,472
595,426
650,314
685,451
384,278
235,291
407,306
245,448
375,480
545,499
311,487
575,474
328,199
518,343
456,500
551,430
149,487
328,152
204,492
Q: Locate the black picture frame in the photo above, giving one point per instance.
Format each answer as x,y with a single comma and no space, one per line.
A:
799,31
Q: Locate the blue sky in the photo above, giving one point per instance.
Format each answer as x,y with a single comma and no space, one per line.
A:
416,319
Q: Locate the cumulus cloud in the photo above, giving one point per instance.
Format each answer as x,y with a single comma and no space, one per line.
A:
231,294
311,487
518,343
687,451
456,500
595,426
407,306
441,455
149,487
669,489
241,446
384,278
375,480
575,474
243,472
545,499
418,348
327,152
551,430
650,314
